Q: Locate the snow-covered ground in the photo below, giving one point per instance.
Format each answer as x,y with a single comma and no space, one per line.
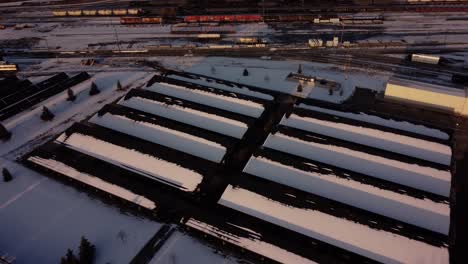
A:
277,71
40,218
405,145
180,248
28,130
376,244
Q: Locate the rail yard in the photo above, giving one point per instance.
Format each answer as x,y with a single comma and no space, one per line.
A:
184,131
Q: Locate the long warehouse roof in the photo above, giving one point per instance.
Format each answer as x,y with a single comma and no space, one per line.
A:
434,96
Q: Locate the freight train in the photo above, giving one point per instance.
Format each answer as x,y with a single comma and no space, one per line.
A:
98,12
316,19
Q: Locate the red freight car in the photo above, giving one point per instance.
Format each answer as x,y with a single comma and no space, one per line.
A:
130,20
223,18
248,18
191,19
151,20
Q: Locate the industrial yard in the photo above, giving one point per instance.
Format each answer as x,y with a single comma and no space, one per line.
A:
241,132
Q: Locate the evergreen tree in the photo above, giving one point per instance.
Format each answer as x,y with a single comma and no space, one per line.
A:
47,114
119,86
6,175
94,89
71,95
71,258
299,88
4,133
299,70
86,251
246,72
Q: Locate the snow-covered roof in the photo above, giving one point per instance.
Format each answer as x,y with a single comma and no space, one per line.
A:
439,97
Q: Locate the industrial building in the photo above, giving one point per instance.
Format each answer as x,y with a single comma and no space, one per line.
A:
435,97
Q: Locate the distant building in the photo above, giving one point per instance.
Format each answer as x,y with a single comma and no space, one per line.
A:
314,80
434,97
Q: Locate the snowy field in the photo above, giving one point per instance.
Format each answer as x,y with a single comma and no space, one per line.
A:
180,248
40,218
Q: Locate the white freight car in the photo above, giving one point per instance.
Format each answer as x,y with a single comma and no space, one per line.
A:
428,59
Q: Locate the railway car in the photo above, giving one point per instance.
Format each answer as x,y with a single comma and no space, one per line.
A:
427,59
59,13
248,18
248,40
90,12
119,12
130,20
104,12
223,18
220,46
151,20
134,11
7,68
208,36
74,12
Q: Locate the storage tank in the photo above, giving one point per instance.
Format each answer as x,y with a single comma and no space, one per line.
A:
428,59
